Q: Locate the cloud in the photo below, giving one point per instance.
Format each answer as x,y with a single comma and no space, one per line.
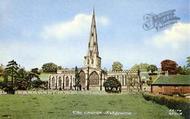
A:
177,37
74,28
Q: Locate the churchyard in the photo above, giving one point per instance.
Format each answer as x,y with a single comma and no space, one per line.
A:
80,105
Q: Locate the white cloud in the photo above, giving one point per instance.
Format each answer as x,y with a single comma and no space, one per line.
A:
177,37
74,28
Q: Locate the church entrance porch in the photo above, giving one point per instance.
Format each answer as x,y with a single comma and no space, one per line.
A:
94,79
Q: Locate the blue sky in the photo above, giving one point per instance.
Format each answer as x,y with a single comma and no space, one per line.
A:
40,31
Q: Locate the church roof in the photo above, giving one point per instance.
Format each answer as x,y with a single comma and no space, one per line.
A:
172,80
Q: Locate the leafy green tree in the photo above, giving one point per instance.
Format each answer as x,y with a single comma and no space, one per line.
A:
117,66
112,85
141,67
185,70
152,68
22,73
33,74
59,67
25,78
49,67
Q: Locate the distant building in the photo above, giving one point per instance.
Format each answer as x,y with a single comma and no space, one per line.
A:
91,74
171,84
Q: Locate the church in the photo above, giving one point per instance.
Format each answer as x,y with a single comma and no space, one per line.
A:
92,76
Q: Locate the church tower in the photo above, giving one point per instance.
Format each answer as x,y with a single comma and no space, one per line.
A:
92,58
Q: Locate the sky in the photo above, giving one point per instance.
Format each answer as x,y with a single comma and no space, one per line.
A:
40,31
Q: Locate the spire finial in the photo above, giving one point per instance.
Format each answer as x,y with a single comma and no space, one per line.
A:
93,11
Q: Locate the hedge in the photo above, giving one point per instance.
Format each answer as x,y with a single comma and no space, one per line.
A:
176,103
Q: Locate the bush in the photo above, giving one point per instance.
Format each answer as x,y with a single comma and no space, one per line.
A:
7,87
112,85
176,103
39,84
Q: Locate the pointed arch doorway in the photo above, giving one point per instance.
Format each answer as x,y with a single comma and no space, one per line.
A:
82,79
94,79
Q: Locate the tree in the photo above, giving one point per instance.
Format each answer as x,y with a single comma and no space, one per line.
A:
185,70
1,70
188,61
77,79
141,67
49,67
59,67
117,66
170,66
25,78
11,70
152,68
112,85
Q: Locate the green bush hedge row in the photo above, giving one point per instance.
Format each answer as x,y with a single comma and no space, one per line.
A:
176,103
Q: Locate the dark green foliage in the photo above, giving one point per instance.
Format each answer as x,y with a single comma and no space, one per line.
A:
117,66
112,85
149,82
11,70
77,80
18,78
25,79
39,84
142,67
175,103
185,70
1,70
49,67
59,67
188,61
152,68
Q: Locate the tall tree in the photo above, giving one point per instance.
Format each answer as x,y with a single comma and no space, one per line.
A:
49,67
188,61
12,71
170,66
152,68
1,70
77,78
117,66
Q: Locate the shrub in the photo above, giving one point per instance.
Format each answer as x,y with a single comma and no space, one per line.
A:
176,103
112,85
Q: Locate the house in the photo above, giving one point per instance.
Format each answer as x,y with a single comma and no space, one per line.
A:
171,84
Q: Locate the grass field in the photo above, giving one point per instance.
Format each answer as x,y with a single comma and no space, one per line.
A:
61,106
44,76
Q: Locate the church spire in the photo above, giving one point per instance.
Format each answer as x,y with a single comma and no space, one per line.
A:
92,59
93,43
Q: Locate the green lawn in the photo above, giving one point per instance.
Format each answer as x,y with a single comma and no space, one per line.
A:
44,76
61,106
